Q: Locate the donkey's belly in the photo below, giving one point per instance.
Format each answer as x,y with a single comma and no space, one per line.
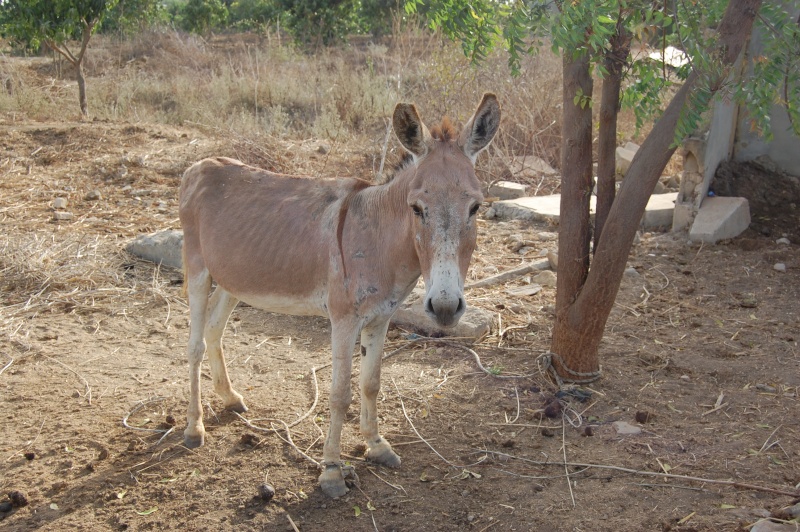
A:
296,306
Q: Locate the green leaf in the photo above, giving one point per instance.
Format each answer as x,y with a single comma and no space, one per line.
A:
148,511
357,511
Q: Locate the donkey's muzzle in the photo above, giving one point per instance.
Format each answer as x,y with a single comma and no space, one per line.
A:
445,309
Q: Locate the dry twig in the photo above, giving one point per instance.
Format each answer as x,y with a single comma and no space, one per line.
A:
88,394
732,483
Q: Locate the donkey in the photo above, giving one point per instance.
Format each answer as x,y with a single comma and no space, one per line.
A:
340,248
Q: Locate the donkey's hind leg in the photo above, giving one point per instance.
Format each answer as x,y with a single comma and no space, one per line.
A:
220,307
372,340
198,287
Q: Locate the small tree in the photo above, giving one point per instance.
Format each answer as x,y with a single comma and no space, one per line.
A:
596,34
202,16
31,24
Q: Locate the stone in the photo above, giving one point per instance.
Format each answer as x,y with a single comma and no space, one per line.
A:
547,236
508,190
779,267
765,525
60,203
490,213
62,216
625,428
657,215
660,188
552,258
783,241
527,290
164,248
546,278
793,511
93,195
631,273
670,56
720,218
473,325
631,146
673,182
526,167
623,158
323,149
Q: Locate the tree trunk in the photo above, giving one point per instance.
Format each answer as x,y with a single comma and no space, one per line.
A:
582,309
81,88
607,136
576,191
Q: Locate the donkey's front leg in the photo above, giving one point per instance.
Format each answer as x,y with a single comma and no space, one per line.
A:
343,341
372,339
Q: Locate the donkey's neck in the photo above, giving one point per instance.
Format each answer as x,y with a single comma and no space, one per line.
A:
386,206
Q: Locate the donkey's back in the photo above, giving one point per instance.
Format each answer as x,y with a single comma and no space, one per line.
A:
232,213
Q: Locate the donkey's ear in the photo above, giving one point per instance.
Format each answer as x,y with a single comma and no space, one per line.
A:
410,130
481,128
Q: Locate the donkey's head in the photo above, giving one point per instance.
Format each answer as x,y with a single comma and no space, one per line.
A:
444,196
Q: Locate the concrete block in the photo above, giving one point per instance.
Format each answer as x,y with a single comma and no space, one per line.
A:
682,216
508,190
164,248
537,208
658,213
631,146
720,218
473,325
623,160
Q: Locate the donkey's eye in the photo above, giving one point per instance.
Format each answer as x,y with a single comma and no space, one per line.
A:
474,209
417,210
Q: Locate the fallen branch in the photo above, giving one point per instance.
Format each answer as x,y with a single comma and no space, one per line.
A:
11,361
733,483
30,443
405,413
287,439
508,275
138,407
88,394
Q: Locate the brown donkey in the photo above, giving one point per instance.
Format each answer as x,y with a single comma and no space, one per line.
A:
339,248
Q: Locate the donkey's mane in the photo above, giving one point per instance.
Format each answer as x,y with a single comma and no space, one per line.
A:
444,132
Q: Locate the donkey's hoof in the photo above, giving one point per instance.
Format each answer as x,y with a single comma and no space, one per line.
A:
238,407
381,452
384,456
332,482
193,441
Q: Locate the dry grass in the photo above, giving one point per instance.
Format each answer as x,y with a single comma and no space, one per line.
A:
258,85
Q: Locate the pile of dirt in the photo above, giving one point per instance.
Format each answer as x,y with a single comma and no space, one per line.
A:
774,195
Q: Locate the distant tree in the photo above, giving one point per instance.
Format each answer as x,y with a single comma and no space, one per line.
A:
202,16
130,16
30,24
319,22
253,14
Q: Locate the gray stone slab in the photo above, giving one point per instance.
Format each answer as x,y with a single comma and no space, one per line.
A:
508,190
720,218
658,213
164,248
473,325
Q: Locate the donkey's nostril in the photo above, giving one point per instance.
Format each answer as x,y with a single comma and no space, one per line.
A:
460,307
429,306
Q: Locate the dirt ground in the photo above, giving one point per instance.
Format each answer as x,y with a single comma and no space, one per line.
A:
701,353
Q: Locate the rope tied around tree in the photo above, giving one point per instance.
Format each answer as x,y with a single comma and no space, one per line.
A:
545,364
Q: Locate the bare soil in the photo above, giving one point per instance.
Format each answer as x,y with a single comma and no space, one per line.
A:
701,353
